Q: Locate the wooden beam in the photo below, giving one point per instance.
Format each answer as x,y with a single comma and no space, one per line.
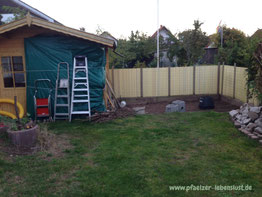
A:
218,78
222,80
113,78
107,63
194,79
234,82
141,82
169,81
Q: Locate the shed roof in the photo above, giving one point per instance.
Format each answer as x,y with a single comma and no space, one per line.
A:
29,20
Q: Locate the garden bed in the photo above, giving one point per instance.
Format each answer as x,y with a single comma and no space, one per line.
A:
158,107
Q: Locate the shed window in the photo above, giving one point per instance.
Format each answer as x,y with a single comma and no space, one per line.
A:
13,71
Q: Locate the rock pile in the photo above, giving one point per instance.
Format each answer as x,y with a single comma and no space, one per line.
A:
248,120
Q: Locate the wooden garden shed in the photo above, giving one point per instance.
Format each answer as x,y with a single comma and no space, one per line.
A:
24,39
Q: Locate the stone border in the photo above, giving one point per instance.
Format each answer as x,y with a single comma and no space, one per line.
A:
248,120
23,138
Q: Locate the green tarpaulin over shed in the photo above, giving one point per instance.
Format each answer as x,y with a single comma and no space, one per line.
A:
43,53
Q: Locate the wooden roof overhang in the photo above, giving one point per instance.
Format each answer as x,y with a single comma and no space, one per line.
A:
29,20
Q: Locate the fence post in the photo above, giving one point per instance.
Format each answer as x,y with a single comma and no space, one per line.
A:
113,78
141,81
169,82
194,79
218,78
234,82
222,80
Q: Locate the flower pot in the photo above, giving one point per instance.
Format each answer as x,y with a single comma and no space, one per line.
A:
23,138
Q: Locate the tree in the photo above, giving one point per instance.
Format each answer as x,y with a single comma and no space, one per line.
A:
17,12
193,42
235,47
138,50
1,23
82,29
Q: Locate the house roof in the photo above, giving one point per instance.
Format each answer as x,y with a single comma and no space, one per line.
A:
29,20
162,28
257,34
106,34
20,4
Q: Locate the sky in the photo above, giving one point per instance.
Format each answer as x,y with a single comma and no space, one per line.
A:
120,17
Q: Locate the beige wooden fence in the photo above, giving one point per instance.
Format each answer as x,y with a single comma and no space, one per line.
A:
206,79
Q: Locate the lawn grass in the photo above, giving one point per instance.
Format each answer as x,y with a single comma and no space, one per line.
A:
140,156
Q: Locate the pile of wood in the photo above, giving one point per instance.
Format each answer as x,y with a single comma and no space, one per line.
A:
111,101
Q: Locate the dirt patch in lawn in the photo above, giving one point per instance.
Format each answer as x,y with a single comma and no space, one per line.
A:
107,116
159,107
51,145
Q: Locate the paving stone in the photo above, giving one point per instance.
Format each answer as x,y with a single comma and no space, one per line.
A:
181,105
254,137
250,134
246,121
237,124
172,108
139,110
238,117
251,126
258,130
255,109
259,122
253,115
233,113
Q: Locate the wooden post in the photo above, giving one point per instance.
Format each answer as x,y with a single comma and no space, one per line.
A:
113,78
222,82
218,78
194,79
169,81
141,81
234,82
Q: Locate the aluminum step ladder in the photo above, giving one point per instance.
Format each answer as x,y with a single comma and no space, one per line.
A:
62,93
80,99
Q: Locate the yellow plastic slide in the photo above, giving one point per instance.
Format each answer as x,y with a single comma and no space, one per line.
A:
19,106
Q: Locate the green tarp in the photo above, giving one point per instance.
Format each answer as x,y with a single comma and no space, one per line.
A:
43,53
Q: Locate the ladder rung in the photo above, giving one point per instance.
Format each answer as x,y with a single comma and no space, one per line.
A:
62,114
38,106
61,118
80,67
77,90
62,88
62,96
80,112
62,105
80,78
80,96
81,101
76,84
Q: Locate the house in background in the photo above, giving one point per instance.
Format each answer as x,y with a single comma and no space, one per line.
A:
164,34
7,15
210,53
